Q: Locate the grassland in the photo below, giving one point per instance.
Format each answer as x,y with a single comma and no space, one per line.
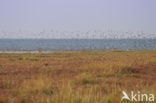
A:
76,76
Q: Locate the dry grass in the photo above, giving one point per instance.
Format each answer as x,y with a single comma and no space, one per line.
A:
75,77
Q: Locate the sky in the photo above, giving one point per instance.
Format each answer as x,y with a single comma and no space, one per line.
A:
32,18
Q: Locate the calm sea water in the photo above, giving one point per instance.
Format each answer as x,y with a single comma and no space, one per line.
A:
77,44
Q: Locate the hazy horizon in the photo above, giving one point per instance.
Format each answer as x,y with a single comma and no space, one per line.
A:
77,19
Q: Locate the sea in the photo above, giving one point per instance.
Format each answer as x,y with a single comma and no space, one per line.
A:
76,44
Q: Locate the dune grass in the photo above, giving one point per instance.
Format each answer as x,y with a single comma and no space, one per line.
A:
76,77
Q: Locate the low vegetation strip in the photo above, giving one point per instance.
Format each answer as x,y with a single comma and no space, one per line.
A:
76,77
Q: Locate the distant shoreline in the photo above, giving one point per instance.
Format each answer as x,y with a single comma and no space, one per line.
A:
26,51
53,51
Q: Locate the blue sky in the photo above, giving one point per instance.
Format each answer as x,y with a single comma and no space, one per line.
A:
36,15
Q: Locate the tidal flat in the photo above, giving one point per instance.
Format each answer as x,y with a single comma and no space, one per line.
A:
76,76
